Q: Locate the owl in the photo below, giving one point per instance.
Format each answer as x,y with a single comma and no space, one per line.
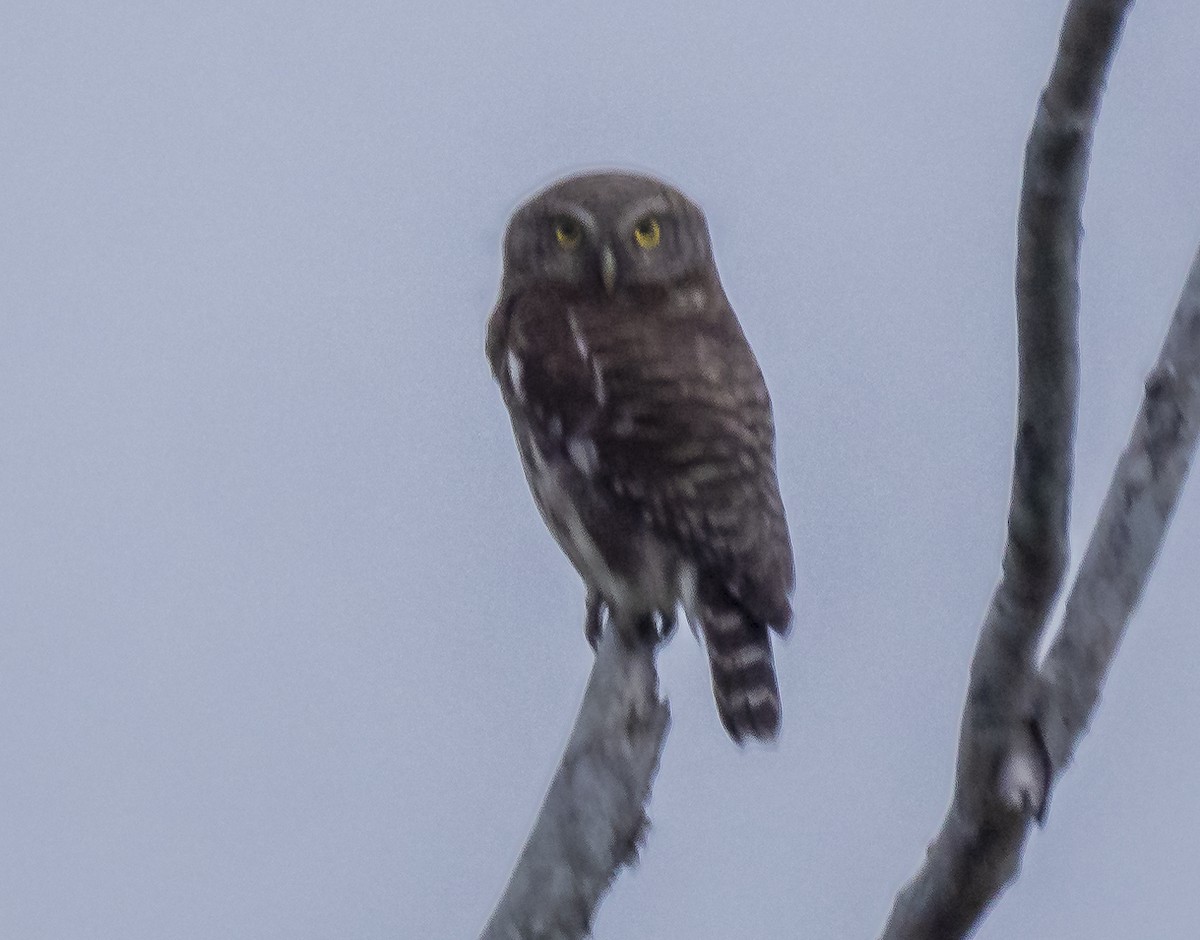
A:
645,428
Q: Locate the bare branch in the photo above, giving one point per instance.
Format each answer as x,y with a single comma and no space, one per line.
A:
1133,522
1003,772
1120,556
593,817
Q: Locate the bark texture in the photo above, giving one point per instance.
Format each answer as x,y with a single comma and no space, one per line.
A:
593,817
1133,523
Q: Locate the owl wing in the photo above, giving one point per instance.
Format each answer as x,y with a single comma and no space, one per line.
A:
548,384
669,416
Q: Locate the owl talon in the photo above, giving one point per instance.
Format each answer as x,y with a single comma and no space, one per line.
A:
647,629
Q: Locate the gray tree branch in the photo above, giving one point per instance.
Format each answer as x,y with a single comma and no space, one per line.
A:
1133,522
593,817
1021,723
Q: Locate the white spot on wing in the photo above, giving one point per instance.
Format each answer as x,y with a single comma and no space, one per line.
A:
598,389
515,373
599,392
583,455
577,334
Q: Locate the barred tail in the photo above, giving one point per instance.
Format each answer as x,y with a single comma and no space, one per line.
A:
743,670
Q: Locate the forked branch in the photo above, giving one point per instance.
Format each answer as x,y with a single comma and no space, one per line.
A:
1021,723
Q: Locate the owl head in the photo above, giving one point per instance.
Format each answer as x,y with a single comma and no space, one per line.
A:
608,233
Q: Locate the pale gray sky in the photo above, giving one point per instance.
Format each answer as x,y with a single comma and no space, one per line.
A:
285,651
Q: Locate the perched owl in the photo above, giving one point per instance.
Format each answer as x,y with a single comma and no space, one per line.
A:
645,427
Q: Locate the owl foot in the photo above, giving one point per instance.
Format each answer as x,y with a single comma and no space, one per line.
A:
657,627
654,628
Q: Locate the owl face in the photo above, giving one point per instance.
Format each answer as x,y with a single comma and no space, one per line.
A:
608,233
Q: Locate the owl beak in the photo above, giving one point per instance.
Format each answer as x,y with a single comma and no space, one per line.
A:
608,268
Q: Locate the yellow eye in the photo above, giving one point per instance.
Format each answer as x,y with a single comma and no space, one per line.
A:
647,233
567,232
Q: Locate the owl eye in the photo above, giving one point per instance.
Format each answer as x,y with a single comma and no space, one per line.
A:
567,233
647,233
